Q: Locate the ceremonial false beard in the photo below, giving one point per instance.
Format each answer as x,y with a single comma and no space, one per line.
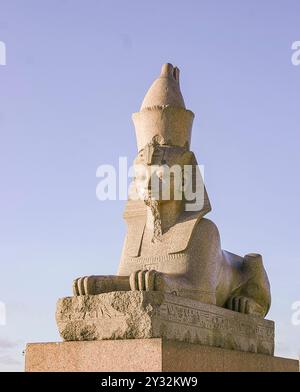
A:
153,205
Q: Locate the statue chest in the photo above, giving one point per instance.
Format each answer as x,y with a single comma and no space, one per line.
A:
169,263
155,256
170,255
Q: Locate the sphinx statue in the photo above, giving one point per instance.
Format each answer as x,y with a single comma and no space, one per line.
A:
170,246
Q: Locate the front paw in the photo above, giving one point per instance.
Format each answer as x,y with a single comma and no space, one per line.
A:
143,280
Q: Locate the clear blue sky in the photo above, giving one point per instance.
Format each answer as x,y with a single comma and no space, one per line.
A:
75,72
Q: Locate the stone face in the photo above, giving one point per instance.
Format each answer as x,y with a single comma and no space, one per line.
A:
151,355
151,314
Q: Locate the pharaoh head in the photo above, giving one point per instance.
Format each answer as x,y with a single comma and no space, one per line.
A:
165,170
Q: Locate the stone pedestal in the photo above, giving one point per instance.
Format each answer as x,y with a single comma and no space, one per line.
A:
151,355
152,314
150,331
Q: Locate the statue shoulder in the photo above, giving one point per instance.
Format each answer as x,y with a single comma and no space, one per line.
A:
206,229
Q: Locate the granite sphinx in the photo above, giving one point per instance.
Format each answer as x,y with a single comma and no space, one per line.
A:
174,281
168,247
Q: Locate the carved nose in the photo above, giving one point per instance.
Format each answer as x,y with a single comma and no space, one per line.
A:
160,172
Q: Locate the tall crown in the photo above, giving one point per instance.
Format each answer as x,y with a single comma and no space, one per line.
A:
163,112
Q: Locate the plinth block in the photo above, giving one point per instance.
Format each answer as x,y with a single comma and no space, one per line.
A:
151,355
152,314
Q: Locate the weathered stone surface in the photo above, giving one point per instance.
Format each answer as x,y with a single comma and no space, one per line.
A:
147,355
151,314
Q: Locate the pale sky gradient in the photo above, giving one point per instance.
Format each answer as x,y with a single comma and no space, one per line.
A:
75,72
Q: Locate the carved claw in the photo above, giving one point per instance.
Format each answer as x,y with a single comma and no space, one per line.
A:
84,285
238,304
244,305
143,280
